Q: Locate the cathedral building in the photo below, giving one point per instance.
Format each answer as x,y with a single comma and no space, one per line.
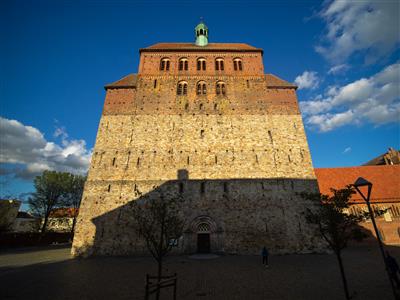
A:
203,121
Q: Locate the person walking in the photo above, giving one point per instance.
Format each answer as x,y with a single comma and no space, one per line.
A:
264,254
393,269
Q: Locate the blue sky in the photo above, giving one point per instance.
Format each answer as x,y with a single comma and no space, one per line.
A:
56,56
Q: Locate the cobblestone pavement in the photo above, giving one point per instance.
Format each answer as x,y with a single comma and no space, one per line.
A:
51,274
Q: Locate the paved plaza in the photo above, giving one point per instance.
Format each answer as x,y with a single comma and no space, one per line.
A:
50,273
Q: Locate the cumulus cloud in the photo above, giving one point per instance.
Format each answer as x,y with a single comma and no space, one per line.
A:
25,152
307,80
375,100
368,26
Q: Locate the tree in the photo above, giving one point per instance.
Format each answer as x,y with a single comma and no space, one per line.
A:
73,195
50,187
335,224
160,224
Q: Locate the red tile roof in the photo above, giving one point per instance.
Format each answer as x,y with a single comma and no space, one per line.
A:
129,81
385,180
274,81
62,212
210,47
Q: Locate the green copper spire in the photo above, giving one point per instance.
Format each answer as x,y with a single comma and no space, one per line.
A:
201,32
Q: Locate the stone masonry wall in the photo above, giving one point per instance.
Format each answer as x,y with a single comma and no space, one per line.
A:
245,152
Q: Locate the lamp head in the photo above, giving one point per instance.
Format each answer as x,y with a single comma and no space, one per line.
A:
360,182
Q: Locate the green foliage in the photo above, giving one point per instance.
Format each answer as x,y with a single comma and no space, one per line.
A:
50,187
330,214
73,191
55,189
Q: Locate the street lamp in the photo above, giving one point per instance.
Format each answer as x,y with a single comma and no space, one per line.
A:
361,182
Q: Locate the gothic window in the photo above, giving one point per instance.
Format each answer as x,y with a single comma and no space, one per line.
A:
182,88
220,88
201,88
237,64
219,64
164,64
183,64
201,64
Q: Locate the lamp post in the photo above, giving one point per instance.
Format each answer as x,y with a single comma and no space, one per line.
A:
361,182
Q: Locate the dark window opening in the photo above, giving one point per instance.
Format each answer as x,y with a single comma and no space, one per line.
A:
109,188
155,83
201,64
225,187
270,136
219,64
182,88
220,88
202,187
113,161
164,64
138,162
202,133
181,187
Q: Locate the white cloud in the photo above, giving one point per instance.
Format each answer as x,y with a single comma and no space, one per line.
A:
27,147
307,80
375,100
368,26
347,150
338,69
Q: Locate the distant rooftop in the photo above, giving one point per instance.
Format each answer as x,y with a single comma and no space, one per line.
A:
391,157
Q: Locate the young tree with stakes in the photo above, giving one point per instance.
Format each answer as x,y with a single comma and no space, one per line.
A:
160,223
335,224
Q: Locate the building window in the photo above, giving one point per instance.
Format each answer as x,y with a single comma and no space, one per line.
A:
219,64
182,88
237,64
164,64
203,187
201,64
201,88
183,64
220,88
203,228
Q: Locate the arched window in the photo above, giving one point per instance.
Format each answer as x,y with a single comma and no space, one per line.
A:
237,64
219,64
201,88
220,88
201,64
164,64
183,64
182,88
203,228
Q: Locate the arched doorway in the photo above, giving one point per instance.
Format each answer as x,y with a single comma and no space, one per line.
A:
203,238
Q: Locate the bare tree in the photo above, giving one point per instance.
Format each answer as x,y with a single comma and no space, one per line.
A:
336,225
160,223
